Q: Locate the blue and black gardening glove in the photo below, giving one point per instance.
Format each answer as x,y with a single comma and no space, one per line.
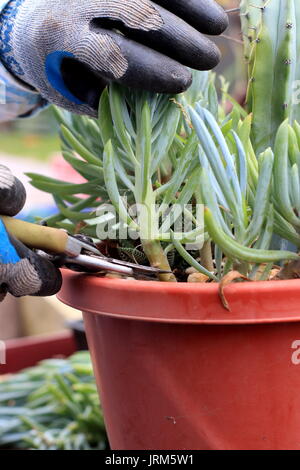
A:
68,50
22,272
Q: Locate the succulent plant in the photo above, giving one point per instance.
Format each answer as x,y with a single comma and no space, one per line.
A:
248,199
52,406
135,152
161,152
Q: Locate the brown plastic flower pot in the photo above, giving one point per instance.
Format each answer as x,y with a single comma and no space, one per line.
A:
175,370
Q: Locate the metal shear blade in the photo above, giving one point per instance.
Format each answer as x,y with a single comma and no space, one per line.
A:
133,266
99,263
91,257
91,263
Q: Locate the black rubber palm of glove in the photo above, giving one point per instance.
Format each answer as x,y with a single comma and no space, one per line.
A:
69,50
22,272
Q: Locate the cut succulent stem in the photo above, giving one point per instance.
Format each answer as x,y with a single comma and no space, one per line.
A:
158,259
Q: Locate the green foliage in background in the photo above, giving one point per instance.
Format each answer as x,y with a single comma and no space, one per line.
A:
34,146
53,406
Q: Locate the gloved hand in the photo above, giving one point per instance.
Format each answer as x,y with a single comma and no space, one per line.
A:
69,50
22,272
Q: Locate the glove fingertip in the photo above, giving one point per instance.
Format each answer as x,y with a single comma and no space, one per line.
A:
12,191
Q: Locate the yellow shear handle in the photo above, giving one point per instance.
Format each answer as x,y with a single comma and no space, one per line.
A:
36,236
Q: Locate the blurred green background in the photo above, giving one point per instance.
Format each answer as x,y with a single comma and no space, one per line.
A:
36,137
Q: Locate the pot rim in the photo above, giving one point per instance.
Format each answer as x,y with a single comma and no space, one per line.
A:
183,303
156,286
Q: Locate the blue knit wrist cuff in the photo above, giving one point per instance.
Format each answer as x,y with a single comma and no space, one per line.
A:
7,17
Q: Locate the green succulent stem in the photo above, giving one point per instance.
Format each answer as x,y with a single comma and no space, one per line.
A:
271,31
206,256
158,259
148,228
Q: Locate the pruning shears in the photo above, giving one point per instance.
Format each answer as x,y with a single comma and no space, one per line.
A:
75,252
